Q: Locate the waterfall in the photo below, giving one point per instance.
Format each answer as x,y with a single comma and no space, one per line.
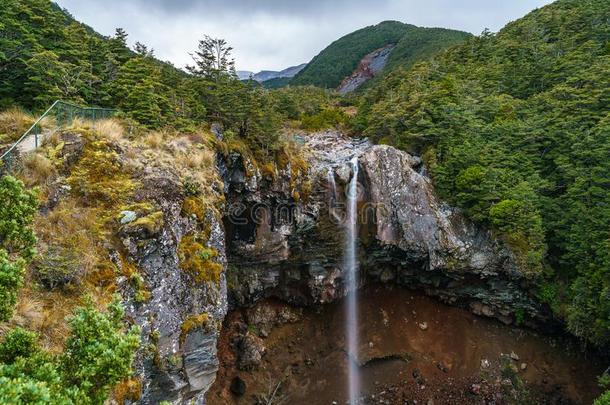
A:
351,268
333,186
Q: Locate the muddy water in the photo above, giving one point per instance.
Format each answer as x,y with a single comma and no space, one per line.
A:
411,348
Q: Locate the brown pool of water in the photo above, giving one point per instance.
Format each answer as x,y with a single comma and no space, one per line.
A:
456,357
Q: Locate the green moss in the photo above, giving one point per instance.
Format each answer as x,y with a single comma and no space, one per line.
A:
152,223
198,260
99,177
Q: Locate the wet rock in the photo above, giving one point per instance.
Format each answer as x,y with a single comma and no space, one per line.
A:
485,364
238,386
514,356
423,325
523,366
418,377
408,236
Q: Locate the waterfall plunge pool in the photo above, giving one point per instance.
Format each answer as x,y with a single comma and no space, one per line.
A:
413,348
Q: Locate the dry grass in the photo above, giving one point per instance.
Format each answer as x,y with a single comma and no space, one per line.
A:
37,170
13,123
44,312
154,139
110,129
72,228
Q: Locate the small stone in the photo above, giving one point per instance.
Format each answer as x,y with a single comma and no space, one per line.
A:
423,325
238,386
514,356
128,216
475,389
523,366
371,344
485,363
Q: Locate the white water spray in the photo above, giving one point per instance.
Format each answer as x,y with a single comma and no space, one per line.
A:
351,267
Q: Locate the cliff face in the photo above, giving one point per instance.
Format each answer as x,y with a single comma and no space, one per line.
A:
280,233
181,319
293,249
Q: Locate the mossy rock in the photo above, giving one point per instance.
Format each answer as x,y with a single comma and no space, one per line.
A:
147,226
198,260
193,322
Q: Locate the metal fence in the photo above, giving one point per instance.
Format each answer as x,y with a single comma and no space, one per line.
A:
63,113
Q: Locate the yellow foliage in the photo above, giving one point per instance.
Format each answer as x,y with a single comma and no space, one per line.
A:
193,322
99,177
194,206
153,223
198,260
130,389
268,170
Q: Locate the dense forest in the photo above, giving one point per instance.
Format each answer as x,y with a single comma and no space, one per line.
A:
46,55
515,130
341,58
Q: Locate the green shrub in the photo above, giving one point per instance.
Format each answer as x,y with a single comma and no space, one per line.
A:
18,343
603,400
11,280
98,355
17,209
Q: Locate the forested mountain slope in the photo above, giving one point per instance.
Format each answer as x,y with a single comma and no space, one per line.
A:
515,129
46,55
340,58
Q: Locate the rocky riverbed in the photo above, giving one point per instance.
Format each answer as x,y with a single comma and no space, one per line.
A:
413,349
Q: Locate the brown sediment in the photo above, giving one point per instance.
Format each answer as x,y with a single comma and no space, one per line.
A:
456,358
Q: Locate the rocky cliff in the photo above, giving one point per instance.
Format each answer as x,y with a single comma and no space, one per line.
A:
292,250
280,233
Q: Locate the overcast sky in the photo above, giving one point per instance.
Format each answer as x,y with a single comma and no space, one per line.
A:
275,34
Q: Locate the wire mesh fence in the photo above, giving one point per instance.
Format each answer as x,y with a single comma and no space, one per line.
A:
61,114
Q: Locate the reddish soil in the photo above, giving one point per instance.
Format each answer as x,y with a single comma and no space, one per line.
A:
458,359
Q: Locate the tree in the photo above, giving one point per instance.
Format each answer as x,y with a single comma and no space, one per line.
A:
212,59
143,50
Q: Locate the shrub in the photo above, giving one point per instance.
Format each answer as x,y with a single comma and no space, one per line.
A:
17,209
18,343
97,354
603,400
58,267
11,280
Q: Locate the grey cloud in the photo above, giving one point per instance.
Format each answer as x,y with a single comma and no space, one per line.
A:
275,34
271,7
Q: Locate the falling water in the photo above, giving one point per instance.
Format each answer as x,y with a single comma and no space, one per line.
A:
351,266
332,185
